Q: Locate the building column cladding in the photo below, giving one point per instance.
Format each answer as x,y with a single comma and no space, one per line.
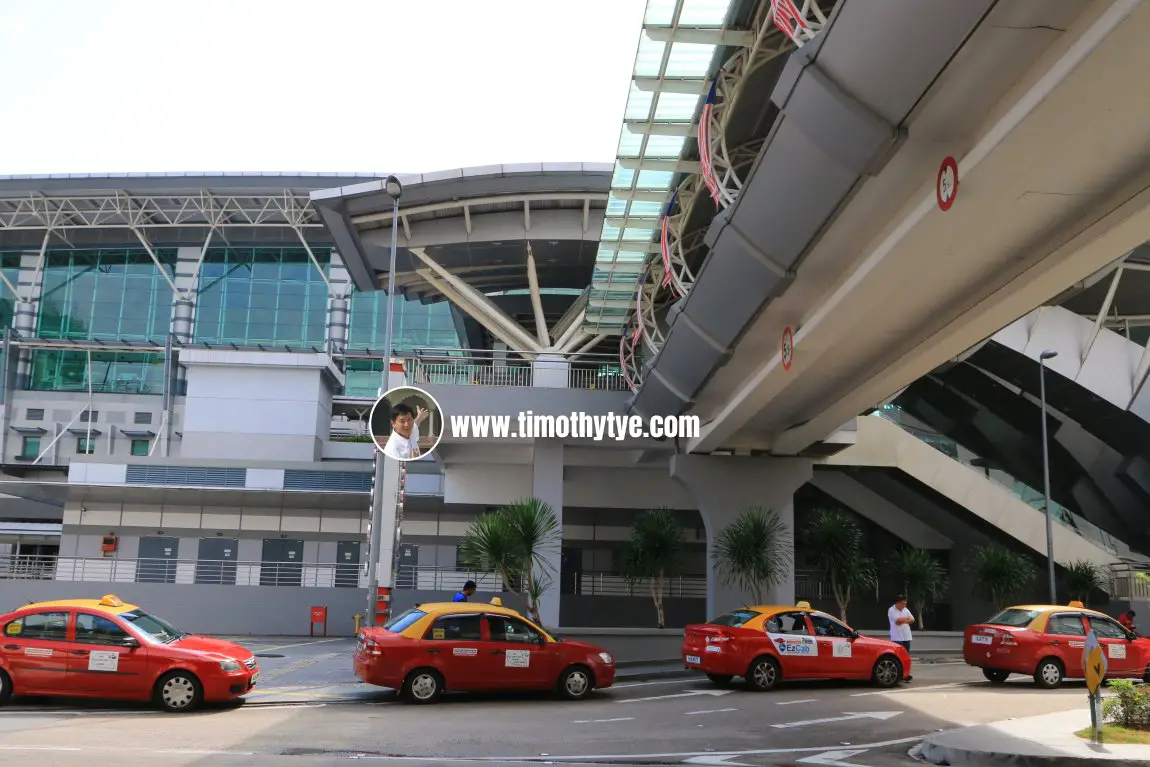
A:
547,486
722,487
29,284
184,303
338,310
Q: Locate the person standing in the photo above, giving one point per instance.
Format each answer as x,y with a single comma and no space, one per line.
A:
901,620
465,593
1127,621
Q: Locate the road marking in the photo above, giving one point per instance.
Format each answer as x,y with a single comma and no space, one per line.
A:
692,693
599,721
914,689
710,711
302,644
681,680
38,748
834,758
846,717
715,760
793,702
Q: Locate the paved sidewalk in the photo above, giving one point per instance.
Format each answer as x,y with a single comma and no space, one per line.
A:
1046,741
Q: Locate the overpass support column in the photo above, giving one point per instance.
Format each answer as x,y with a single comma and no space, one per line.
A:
722,487
547,486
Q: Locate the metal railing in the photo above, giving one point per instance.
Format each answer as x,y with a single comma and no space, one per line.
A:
181,571
1130,582
809,584
429,578
481,367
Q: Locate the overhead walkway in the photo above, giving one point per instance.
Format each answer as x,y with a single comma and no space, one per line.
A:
995,498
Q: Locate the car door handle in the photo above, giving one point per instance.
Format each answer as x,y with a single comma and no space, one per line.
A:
497,652
79,652
433,652
1055,642
11,647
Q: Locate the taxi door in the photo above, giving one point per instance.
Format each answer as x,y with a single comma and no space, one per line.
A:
101,662
35,651
837,656
1065,636
1121,657
517,656
453,644
798,651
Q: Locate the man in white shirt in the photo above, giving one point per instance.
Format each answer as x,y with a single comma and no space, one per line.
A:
403,444
901,620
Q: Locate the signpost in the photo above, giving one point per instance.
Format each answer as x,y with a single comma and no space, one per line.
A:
1094,661
788,350
946,188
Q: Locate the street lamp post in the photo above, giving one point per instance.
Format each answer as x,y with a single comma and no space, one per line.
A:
395,191
1042,358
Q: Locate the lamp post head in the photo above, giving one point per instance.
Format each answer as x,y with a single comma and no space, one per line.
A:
1048,355
393,187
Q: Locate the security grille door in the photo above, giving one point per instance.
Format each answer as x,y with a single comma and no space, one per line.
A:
282,563
156,561
216,563
347,555
408,556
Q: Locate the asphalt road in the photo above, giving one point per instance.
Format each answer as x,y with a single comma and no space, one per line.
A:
666,721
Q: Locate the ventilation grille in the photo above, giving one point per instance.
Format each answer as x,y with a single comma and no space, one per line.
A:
188,476
338,481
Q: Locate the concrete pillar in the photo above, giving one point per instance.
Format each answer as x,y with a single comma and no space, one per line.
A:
722,487
547,486
338,311
29,285
183,325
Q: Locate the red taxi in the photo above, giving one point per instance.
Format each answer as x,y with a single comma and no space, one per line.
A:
765,645
1047,642
463,646
103,648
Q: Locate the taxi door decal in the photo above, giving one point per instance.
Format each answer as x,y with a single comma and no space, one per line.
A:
1117,651
38,652
842,648
518,659
106,662
465,651
794,644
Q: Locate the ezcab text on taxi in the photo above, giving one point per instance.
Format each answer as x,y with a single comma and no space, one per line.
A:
469,647
89,648
768,644
1046,642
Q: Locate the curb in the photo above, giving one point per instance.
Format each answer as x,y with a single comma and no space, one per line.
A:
953,756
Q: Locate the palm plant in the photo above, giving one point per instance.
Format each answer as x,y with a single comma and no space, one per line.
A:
835,541
921,577
1000,574
515,542
1083,580
652,553
754,552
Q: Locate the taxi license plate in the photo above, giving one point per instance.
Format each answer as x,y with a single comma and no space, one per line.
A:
693,659
981,639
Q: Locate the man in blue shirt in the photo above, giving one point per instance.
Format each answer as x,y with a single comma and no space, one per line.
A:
468,590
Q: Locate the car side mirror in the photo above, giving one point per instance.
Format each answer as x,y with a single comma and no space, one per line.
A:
129,642
855,635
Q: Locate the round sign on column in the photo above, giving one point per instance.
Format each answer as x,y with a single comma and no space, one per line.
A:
788,350
946,188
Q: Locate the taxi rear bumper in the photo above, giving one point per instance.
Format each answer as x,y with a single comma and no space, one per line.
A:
718,663
374,671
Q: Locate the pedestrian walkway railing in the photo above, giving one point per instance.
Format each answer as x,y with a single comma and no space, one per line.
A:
1021,490
477,367
579,583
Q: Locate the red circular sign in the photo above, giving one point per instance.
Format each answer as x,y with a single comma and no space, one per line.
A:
788,350
946,187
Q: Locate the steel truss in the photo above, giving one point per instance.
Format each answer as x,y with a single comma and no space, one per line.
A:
770,42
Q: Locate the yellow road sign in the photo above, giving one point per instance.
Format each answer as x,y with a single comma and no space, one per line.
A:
1094,663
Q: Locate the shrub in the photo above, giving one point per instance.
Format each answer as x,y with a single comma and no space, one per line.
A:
1129,707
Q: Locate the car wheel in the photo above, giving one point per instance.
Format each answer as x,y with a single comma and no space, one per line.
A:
1145,678
5,687
720,679
424,685
1048,675
179,691
995,676
763,674
887,671
576,683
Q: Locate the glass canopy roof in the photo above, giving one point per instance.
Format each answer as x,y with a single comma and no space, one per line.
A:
668,85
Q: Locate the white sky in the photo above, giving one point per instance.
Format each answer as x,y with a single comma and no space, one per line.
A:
98,86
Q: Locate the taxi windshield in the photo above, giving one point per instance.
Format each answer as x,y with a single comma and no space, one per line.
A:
734,619
1014,618
158,628
403,620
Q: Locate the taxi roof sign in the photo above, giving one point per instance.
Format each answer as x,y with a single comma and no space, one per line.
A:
497,601
804,605
1077,604
111,600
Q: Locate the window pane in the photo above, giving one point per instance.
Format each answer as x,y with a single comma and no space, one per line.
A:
456,628
1066,625
505,629
1106,629
30,448
49,626
141,446
96,629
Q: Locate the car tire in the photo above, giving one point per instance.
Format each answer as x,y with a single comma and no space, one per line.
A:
1145,678
763,674
5,687
887,672
422,686
576,683
1048,674
995,675
722,680
179,692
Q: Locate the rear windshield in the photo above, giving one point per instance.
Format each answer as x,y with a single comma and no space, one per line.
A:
734,619
1014,618
403,620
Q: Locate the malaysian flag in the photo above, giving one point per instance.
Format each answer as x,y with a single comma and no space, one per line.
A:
705,159
665,240
789,19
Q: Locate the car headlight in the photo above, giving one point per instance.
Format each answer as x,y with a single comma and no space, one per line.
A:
230,666
606,658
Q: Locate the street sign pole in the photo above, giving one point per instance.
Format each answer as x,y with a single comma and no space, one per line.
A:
1096,665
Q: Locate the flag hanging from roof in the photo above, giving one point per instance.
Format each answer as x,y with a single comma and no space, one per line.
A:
706,160
789,19
665,241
